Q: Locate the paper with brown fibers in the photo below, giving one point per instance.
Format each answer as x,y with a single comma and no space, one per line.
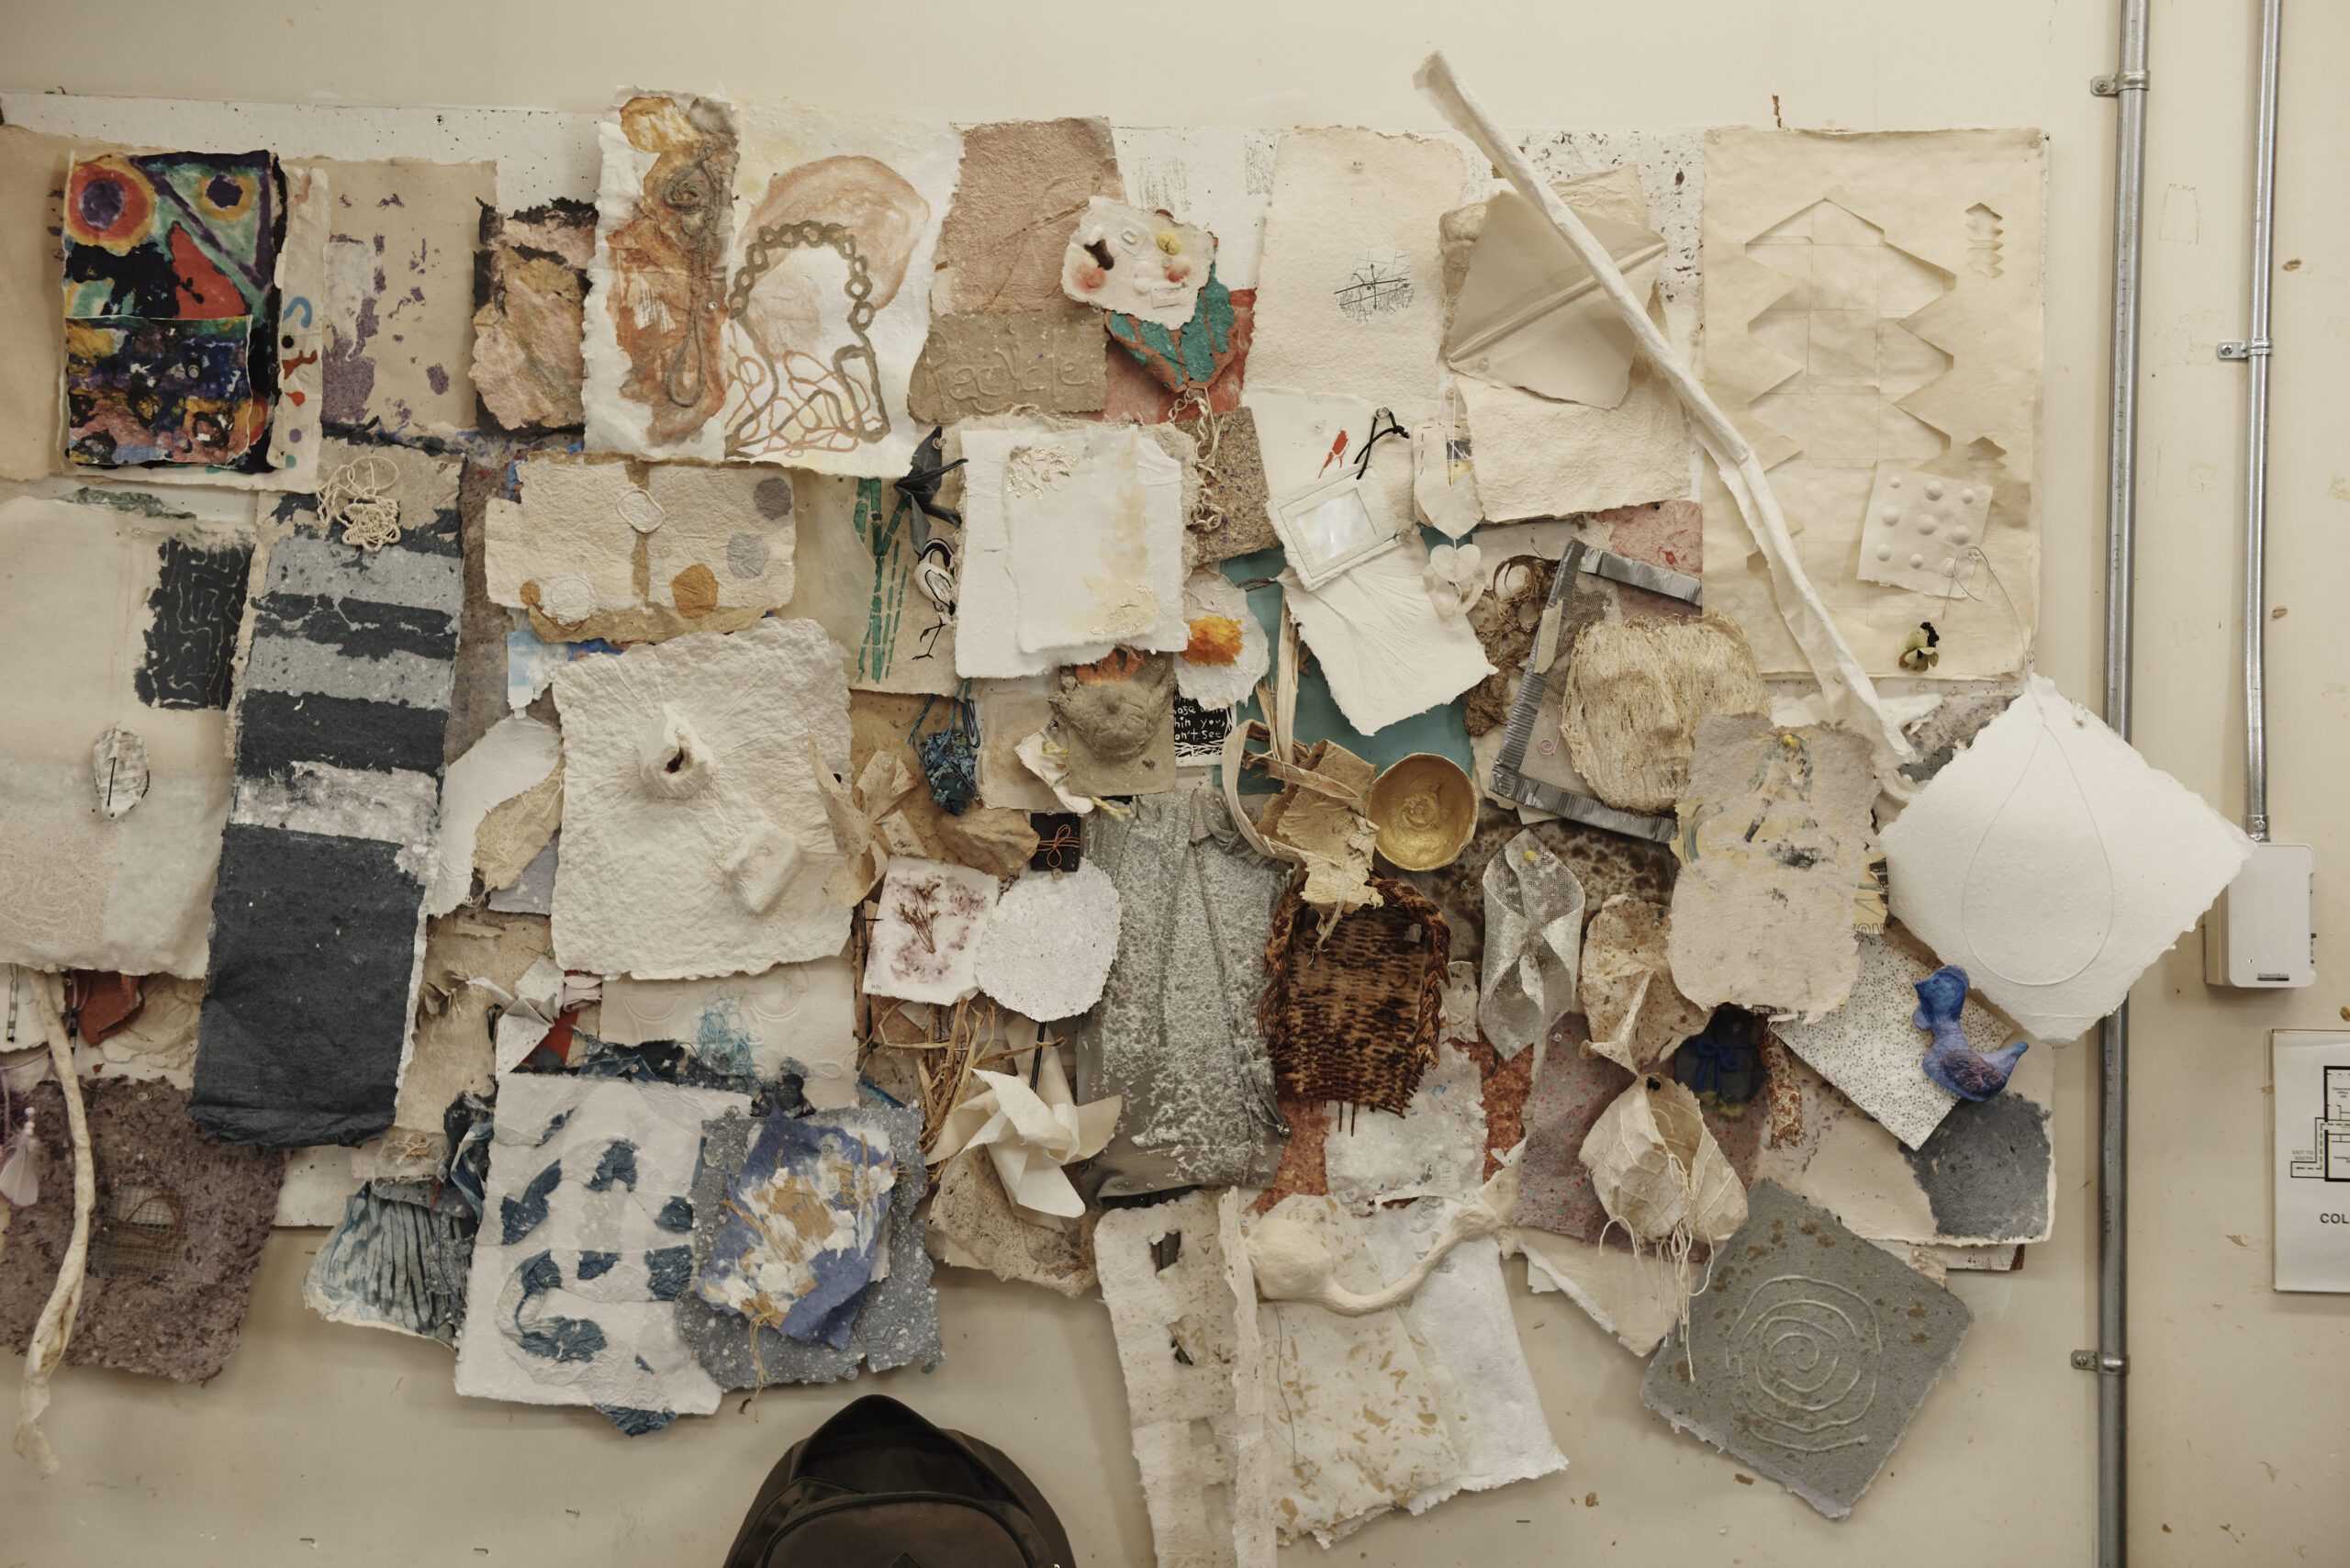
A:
1634,692
1637,1017
1875,299
716,865
1774,846
529,320
633,552
1529,315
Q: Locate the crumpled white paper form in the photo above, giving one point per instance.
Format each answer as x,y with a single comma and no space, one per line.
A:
1030,1133
1876,298
586,1246
1188,1345
1532,315
1774,848
1436,1148
1533,944
1383,647
78,889
1332,1375
599,551
823,328
528,1012
1463,1308
1349,297
688,797
1133,262
1094,522
1869,1048
1658,1170
1635,1296
924,945
1216,611
753,1025
1046,951
2053,865
516,753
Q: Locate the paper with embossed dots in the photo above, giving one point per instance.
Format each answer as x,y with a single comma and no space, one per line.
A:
584,1246
924,945
695,840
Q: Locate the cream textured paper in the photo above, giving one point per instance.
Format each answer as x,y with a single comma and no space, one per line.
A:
751,1025
2052,865
80,889
1186,1335
1093,519
836,219
1350,294
1875,298
671,874
577,1270
987,634
633,552
1383,647
1635,1297
1774,848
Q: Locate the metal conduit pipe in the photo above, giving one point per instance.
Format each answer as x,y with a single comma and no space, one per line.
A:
2109,1360
2254,351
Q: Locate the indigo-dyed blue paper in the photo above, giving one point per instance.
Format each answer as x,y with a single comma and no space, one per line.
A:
803,1219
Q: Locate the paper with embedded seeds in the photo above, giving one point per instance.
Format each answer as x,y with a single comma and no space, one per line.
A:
836,222
1175,1280
1093,522
2053,865
924,945
1349,291
132,622
1775,848
1342,1469
585,1245
695,841
1876,299
1871,1050
634,553
793,1017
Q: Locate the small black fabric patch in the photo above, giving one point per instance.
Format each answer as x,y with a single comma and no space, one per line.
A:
199,600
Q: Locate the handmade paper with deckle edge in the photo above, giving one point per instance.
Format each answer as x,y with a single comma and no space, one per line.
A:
667,871
401,332
1876,299
804,1218
1094,523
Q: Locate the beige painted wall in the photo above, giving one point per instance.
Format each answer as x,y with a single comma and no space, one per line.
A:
332,1445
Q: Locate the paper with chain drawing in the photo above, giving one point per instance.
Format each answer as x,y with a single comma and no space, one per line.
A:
1870,300
836,220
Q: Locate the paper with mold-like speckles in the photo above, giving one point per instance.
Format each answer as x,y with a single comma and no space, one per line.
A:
687,797
399,293
585,1245
924,946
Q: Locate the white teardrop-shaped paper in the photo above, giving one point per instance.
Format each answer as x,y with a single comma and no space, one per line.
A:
118,770
2043,836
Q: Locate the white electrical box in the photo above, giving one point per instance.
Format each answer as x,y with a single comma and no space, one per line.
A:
2262,933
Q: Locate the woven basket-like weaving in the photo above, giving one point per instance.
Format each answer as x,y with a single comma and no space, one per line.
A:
1354,1018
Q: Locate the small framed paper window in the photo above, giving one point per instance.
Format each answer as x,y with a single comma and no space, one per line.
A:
1333,526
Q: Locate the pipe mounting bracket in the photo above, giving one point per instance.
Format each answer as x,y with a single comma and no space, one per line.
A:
2245,348
2102,1362
2114,83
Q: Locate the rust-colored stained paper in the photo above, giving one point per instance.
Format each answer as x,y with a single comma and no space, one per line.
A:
530,286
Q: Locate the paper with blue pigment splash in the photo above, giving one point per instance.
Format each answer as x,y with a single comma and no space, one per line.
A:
897,1318
316,912
170,307
394,1265
803,1218
585,1246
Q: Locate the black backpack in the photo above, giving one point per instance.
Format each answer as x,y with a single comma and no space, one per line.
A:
877,1486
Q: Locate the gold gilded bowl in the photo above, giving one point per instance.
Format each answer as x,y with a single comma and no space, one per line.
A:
1425,808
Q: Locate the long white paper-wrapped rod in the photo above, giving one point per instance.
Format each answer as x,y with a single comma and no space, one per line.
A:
1850,695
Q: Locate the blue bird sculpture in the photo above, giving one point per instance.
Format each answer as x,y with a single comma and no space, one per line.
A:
1950,1060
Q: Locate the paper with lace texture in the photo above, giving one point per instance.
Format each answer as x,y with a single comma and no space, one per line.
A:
1047,950
2053,865
1383,647
695,841
923,947
1349,295
1876,300
1463,1309
132,622
1188,1345
823,328
1332,1468
586,1246
1637,1014
1093,519
1533,944
1437,1148
1774,846
793,1017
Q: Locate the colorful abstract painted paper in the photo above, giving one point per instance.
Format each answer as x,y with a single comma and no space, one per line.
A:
170,305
